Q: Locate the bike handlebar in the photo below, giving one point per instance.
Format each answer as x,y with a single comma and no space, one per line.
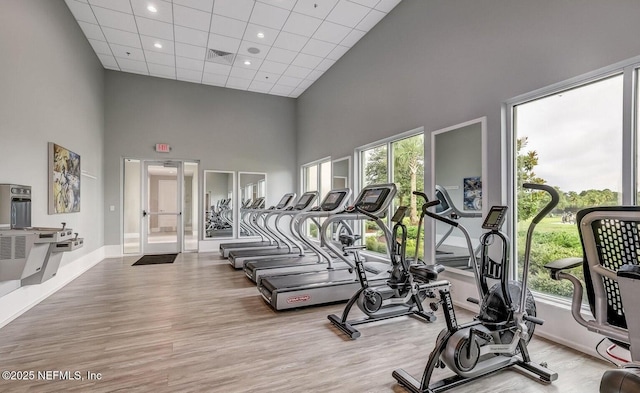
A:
555,198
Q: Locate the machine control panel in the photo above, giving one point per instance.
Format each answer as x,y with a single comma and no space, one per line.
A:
333,200
305,200
284,201
21,191
372,199
495,218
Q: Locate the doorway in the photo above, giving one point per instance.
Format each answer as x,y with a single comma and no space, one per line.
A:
160,207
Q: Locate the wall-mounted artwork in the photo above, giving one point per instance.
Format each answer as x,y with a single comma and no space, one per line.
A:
472,193
64,180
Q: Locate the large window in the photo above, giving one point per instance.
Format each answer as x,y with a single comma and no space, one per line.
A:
316,176
575,138
401,161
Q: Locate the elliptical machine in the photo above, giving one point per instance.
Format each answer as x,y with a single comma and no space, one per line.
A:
498,336
405,290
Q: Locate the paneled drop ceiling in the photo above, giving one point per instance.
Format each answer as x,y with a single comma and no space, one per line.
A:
276,47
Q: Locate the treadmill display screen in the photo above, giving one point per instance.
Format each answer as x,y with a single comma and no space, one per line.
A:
257,203
333,200
284,201
304,201
373,199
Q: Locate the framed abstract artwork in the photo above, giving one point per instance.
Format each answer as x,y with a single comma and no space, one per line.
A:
64,180
472,193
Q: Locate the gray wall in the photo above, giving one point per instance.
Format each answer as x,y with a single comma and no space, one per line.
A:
225,129
437,63
51,90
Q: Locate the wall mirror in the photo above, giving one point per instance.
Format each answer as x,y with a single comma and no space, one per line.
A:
251,186
458,170
219,202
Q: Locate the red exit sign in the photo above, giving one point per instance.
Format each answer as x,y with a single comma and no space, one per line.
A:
163,148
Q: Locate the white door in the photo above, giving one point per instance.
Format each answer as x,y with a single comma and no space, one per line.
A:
162,207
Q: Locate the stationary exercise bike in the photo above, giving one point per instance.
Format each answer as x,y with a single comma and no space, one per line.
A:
406,288
498,336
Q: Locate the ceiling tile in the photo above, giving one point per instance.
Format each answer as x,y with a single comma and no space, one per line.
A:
252,31
286,4
301,24
190,51
164,13
290,41
127,52
331,32
121,37
243,73
305,84
246,47
81,11
107,61
236,9
116,5
337,52
281,55
189,75
189,64
132,65
266,77
296,92
289,81
223,43
160,58
316,8
115,19
347,13
190,36
155,28
260,86
269,16
325,64
297,72
372,18
315,74
386,5
366,3
215,68
162,70
273,67
214,79
92,31
318,48
227,26
281,90
353,37
238,83
307,61
202,5
148,43
188,17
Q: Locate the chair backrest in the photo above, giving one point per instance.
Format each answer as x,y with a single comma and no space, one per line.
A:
610,238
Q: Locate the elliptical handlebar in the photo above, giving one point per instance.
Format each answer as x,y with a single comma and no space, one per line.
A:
555,198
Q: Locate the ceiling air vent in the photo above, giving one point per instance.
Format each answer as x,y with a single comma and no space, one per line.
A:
220,57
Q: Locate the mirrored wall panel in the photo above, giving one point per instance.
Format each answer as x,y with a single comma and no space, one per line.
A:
219,200
252,189
457,174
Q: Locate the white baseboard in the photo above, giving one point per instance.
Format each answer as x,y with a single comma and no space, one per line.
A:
17,302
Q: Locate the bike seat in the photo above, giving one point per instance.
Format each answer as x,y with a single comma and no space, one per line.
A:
348,240
426,272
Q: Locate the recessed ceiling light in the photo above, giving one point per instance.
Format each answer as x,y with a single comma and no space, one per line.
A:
260,35
151,8
158,45
247,62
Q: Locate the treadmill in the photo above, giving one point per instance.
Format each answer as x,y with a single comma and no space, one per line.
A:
252,218
333,202
330,286
304,203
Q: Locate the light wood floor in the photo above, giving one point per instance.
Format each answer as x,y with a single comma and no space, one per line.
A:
199,326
